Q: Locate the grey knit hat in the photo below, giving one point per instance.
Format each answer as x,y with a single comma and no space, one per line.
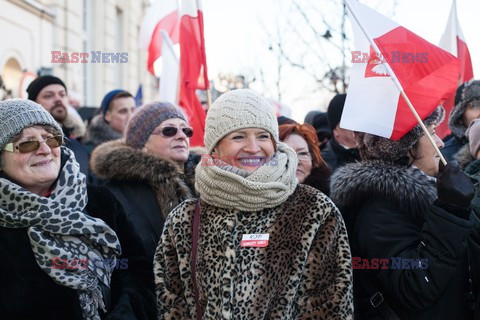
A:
146,119
238,109
18,114
373,147
470,92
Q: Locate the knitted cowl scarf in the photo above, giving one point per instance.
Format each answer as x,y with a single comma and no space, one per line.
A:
58,228
267,187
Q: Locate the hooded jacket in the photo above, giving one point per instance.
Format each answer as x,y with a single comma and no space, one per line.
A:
144,189
390,214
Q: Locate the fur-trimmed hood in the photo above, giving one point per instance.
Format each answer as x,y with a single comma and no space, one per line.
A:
99,131
463,156
405,187
115,160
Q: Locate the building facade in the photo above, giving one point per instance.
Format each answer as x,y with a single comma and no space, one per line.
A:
91,45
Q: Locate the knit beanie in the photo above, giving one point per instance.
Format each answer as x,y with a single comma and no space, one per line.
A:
108,98
41,82
18,114
335,109
373,147
146,119
470,92
473,134
238,109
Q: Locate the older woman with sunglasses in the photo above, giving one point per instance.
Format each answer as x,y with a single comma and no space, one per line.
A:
44,231
148,174
312,170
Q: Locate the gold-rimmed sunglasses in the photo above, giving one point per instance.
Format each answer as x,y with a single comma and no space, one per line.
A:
33,145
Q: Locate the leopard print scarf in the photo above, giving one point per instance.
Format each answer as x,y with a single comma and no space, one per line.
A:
267,187
58,228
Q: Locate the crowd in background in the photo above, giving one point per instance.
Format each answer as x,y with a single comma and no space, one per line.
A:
262,223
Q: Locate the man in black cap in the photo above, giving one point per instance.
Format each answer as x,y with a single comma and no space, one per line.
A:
51,93
341,148
319,121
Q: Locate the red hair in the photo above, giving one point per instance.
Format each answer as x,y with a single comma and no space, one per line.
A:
308,133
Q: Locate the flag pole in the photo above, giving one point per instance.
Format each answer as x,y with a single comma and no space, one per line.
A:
209,99
397,83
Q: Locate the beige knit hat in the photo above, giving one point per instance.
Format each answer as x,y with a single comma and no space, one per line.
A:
238,109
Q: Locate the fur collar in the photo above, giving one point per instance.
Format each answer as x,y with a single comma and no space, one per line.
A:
463,156
99,131
115,160
405,187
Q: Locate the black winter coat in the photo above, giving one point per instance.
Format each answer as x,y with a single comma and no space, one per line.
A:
390,214
141,190
28,293
337,156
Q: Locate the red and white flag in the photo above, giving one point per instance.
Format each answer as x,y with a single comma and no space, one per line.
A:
162,15
193,67
454,42
427,74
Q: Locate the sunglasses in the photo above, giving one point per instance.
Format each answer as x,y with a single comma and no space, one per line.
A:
33,145
172,131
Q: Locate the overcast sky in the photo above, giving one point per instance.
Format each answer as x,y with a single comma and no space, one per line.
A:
235,33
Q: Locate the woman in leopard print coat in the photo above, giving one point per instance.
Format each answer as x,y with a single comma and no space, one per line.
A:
268,248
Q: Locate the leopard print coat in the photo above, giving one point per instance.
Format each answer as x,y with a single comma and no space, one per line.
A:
303,273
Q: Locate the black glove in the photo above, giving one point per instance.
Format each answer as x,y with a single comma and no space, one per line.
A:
454,188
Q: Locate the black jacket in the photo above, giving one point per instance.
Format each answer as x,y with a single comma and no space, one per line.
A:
337,156
141,190
390,214
319,178
26,292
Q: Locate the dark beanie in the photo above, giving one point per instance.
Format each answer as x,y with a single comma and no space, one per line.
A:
146,119
319,121
41,82
335,109
108,98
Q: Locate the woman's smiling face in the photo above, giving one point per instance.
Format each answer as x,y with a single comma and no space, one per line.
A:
37,170
247,149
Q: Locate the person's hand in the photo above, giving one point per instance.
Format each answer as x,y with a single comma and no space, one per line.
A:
454,188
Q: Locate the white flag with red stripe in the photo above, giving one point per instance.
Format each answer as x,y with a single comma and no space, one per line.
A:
162,15
426,73
454,42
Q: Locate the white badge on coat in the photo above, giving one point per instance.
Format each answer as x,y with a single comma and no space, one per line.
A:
258,240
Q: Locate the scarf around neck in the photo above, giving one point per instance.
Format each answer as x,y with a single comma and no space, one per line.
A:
58,228
267,187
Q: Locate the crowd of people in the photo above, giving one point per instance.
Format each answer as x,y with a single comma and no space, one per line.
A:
272,219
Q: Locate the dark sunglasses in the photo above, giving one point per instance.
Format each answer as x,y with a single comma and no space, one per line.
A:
172,131
33,145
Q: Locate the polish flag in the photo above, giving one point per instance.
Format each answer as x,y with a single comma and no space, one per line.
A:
170,71
454,42
162,15
427,74
193,67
